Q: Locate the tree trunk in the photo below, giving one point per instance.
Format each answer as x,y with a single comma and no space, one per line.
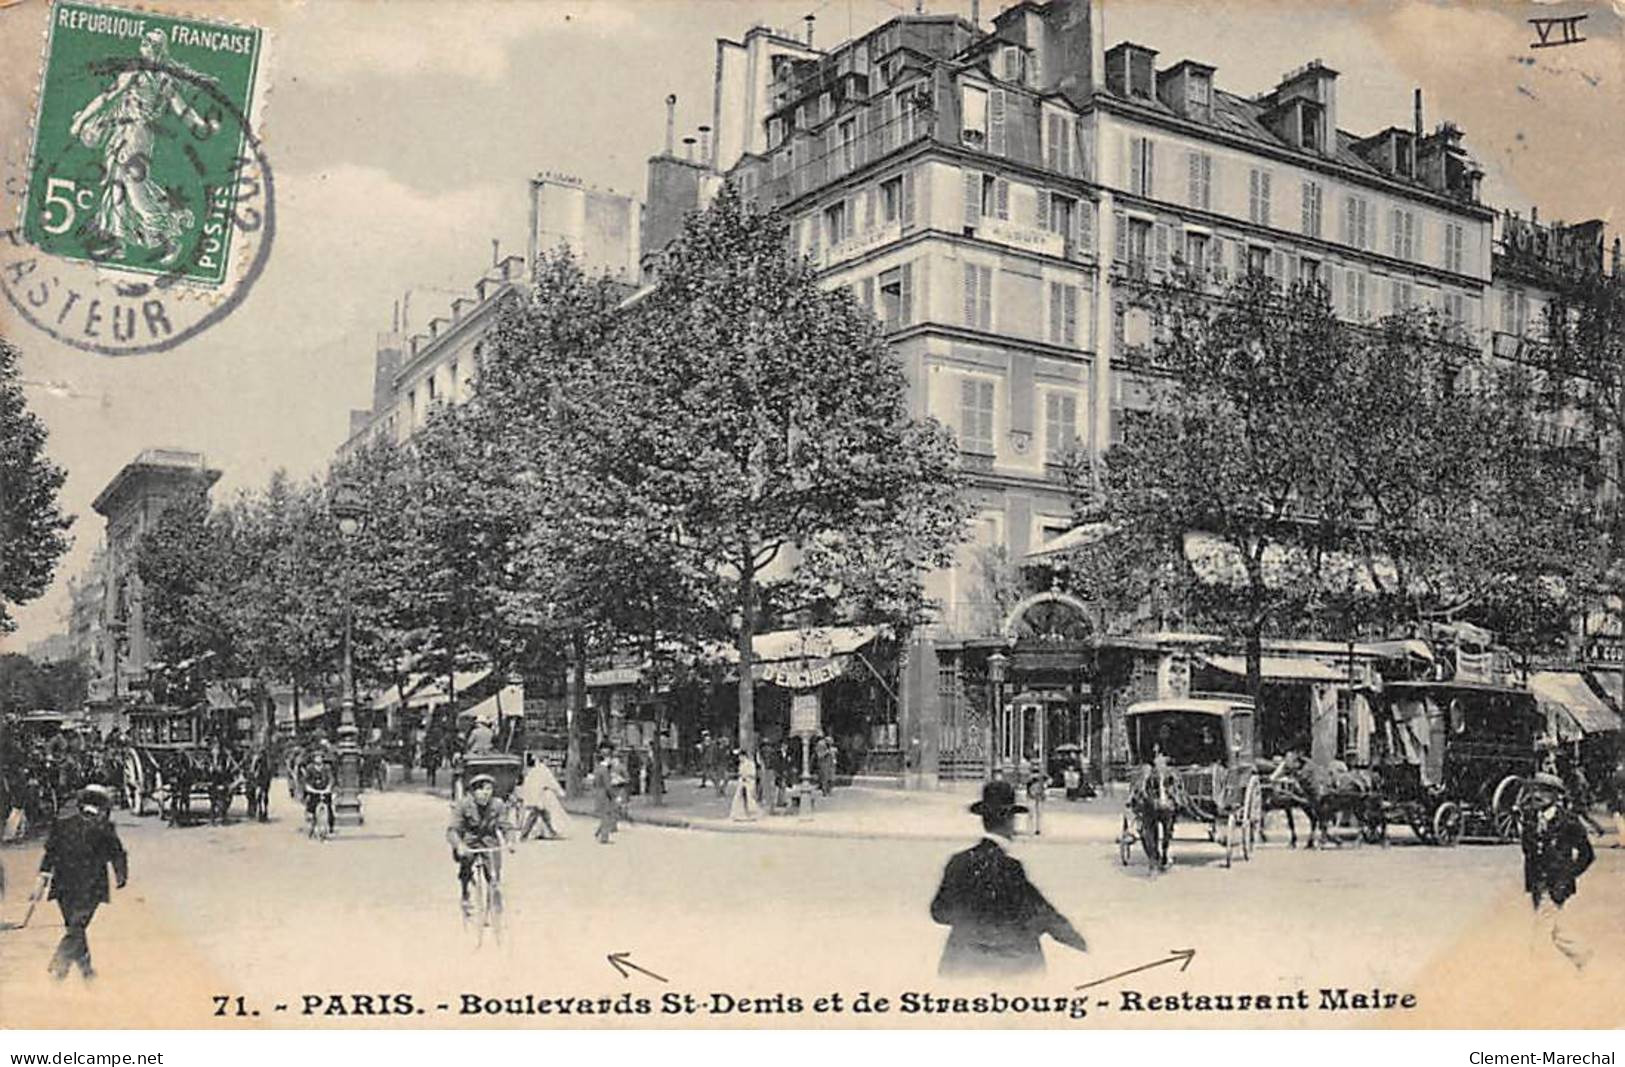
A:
573,776
747,656
1255,671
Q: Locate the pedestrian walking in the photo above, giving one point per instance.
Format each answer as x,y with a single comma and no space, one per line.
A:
540,792
744,808
994,914
78,852
606,804
824,757
1556,851
1616,802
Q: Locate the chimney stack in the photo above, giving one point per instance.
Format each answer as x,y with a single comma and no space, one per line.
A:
1418,124
810,19
688,148
705,145
671,122
496,252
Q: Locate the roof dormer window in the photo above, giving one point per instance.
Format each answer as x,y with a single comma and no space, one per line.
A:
1141,75
1010,64
1314,130
1199,96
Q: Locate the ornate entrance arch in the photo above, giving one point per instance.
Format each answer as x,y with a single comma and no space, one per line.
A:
1049,617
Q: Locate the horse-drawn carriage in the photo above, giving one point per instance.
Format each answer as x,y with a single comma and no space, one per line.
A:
1195,761
178,756
1454,758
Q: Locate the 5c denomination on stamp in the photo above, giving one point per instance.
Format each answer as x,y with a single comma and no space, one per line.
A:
147,208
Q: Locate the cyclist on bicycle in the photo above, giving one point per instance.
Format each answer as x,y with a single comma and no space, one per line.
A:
318,782
477,824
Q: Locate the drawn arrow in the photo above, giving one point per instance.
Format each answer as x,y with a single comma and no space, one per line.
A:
1182,956
619,961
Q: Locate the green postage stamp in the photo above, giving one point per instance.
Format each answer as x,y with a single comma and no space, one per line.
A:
145,165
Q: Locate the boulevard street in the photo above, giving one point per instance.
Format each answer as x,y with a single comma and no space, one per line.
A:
367,924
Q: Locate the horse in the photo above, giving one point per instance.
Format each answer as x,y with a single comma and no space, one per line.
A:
1282,792
1333,790
179,775
1154,797
258,776
223,775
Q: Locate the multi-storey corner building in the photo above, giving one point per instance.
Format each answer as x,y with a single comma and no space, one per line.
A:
1002,200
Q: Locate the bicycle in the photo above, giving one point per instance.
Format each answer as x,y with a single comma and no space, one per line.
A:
314,827
485,892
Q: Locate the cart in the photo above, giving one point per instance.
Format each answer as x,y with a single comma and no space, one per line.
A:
1195,758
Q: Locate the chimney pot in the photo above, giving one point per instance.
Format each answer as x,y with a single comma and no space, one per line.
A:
1418,124
810,19
688,148
705,145
671,121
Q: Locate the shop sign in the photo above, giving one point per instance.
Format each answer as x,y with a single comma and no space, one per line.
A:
1174,677
802,674
804,714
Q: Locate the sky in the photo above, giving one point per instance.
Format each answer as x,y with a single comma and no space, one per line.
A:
401,135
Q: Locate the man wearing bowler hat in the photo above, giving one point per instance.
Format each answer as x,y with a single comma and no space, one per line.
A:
77,854
995,915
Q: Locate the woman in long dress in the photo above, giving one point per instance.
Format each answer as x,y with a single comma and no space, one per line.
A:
123,121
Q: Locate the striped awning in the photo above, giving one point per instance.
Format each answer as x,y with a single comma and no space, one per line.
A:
1571,692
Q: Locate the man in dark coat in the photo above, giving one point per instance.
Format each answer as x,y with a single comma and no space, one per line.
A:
81,846
996,915
1556,851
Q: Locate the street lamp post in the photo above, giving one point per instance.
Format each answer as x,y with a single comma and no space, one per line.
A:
350,512
997,662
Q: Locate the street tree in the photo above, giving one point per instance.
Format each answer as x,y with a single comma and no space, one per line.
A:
773,422
593,565
1581,387
1237,451
33,530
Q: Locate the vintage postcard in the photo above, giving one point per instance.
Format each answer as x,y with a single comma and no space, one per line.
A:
1069,514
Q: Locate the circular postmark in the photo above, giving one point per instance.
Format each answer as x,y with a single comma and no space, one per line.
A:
148,209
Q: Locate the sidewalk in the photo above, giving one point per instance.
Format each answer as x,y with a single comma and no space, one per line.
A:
864,812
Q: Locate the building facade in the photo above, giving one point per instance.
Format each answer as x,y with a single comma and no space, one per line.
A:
1004,201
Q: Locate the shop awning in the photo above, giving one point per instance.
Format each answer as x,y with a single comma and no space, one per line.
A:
1570,691
421,691
1278,669
1089,533
800,659
512,703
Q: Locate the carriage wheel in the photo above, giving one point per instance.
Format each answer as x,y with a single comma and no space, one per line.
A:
1252,817
1232,831
1447,824
1504,807
1125,843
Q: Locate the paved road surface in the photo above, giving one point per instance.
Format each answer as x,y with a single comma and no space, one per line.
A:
260,912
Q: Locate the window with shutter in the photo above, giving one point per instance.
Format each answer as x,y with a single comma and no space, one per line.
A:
1060,425
1119,237
973,198
1002,198
908,199
1200,180
1311,209
907,308
976,415
1162,246
1069,322
1041,217
996,141
1056,312
1085,221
